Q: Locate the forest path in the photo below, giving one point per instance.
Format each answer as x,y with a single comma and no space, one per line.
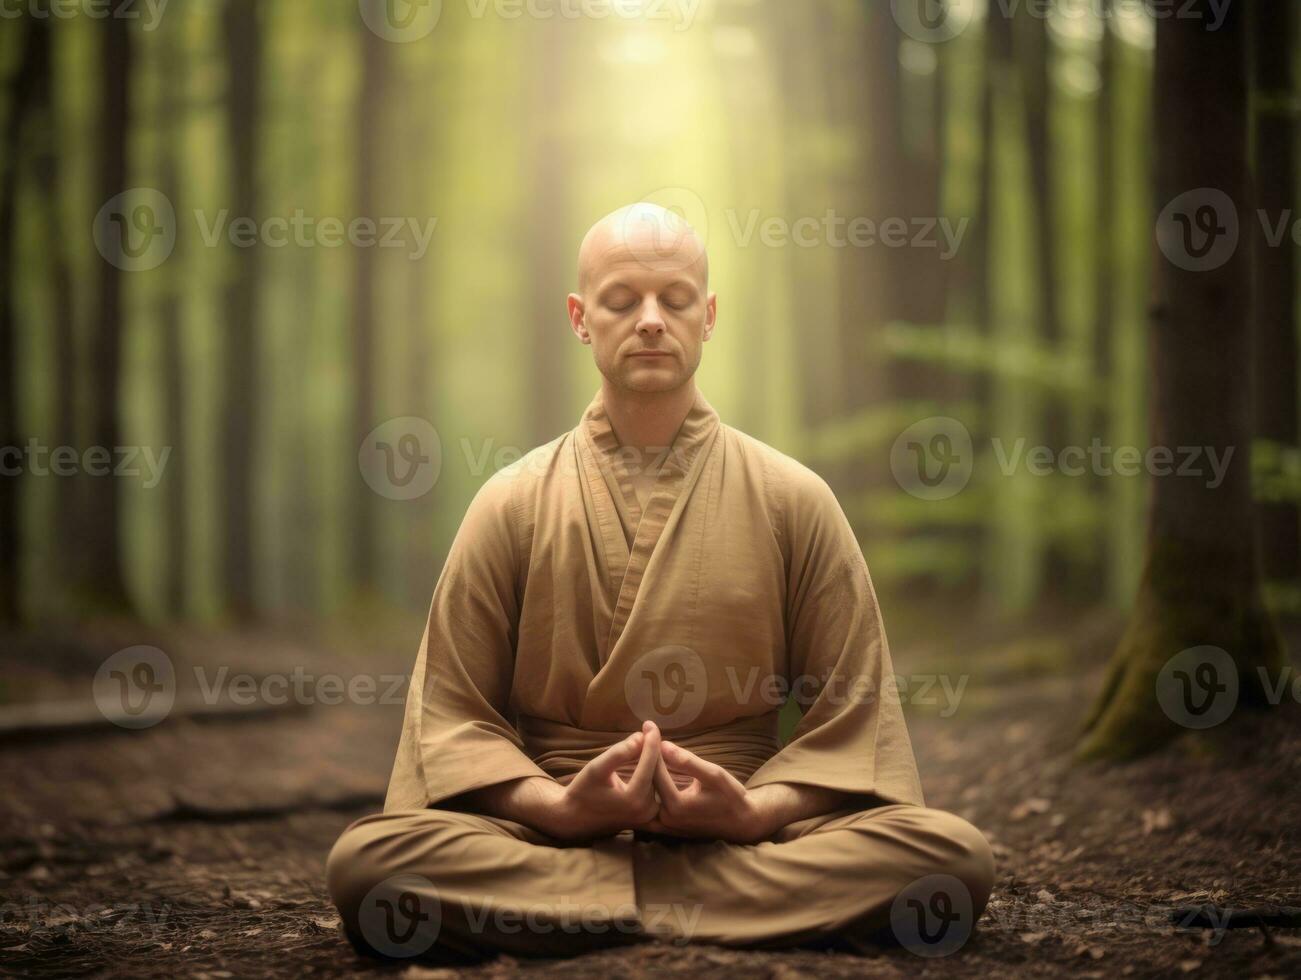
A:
196,848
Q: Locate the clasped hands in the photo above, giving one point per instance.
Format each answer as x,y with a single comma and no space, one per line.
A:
671,791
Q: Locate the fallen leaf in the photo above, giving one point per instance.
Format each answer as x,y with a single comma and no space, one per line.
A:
427,973
1034,804
1155,820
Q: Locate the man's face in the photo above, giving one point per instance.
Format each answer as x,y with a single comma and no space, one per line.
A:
644,306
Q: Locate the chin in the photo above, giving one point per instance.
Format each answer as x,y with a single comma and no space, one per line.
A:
651,382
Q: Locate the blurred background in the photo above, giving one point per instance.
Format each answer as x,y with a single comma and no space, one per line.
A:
336,226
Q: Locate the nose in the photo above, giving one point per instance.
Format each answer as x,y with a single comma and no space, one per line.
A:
650,323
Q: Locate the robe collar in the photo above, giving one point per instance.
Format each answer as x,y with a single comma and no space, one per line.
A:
675,460
630,536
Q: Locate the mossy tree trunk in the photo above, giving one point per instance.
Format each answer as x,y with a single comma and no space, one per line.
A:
1200,584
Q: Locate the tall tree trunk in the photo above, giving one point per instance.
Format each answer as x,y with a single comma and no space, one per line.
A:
369,107
907,159
1035,59
176,549
863,277
105,578
997,57
241,391
33,63
1104,291
47,165
1200,584
1061,573
976,263
300,511
1276,347
550,255
420,563
908,140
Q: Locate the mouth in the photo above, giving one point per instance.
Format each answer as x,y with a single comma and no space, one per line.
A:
650,353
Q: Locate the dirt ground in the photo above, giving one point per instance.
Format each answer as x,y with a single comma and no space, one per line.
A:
196,847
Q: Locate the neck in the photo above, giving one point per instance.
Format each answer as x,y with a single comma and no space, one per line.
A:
647,420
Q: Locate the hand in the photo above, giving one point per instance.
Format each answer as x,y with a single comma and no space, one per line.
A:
711,803
599,802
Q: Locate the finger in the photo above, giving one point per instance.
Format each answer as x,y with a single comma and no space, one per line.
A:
618,754
650,757
683,760
664,784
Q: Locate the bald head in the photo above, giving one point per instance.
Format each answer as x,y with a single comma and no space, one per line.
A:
646,233
643,300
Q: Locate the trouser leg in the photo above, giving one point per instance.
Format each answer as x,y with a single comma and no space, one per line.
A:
434,883
923,874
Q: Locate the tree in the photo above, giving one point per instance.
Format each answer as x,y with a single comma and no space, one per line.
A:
364,550
419,563
1276,348
240,415
33,62
104,571
1034,45
47,166
549,259
1105,256
997,57
176,542
1200,584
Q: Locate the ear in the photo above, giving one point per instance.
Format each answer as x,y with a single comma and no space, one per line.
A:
577,320
711,315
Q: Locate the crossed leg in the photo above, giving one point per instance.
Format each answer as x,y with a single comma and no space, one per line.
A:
434,882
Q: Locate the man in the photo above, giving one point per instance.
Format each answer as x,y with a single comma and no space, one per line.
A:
590,752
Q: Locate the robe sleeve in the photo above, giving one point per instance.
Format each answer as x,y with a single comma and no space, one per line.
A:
852,736
456,733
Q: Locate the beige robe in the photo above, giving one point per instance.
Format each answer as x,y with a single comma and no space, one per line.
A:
565,616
